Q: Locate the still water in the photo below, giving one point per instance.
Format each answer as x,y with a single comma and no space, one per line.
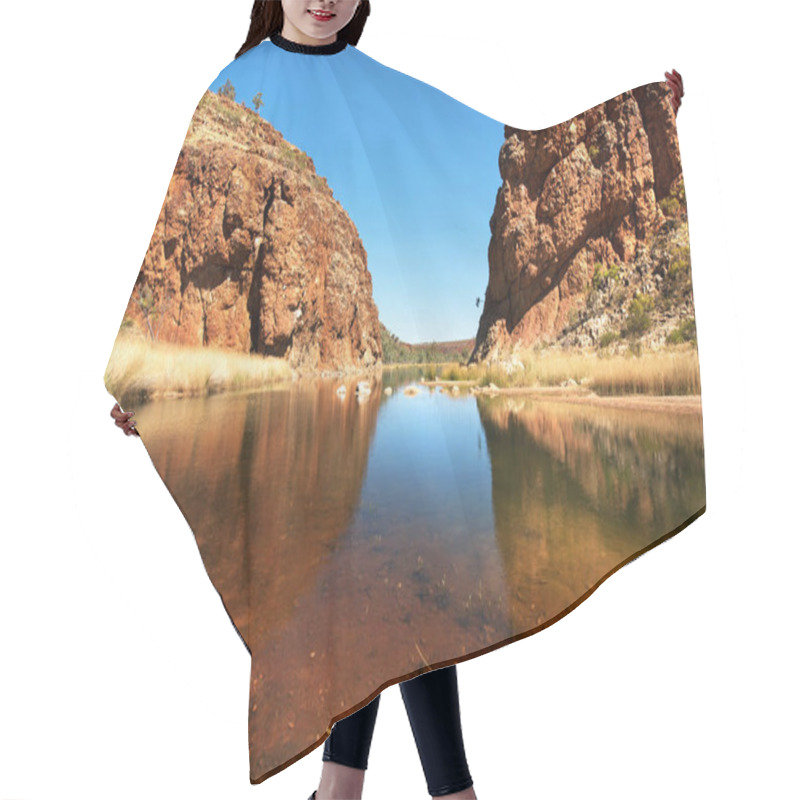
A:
356,539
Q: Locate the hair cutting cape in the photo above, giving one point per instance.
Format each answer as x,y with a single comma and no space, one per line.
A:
418,381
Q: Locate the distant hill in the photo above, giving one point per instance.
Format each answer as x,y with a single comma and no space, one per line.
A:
396,351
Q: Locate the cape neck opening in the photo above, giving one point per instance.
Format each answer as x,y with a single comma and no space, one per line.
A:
310,49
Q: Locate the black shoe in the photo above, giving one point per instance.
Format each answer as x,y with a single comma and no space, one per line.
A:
313,795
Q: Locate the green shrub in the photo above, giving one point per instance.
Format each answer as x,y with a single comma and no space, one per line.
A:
685,331
602,276
670,206
674,204
607,337
677,281
638,320
294,159
227,90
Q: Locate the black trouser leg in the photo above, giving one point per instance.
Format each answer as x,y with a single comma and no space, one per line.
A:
433,710
351,737
431,701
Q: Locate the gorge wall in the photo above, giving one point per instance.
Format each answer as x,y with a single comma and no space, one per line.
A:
252,252
579,229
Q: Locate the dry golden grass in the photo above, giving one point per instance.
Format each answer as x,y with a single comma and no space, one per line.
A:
674,370
140,370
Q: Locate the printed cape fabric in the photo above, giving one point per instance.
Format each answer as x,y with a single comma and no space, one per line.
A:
418,381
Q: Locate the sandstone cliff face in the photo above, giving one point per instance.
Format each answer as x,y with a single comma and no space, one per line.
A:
579,200
252,252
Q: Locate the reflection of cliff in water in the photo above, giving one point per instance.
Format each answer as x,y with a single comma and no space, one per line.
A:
266,480
578,490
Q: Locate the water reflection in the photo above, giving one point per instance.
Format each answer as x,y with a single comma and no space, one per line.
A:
356,539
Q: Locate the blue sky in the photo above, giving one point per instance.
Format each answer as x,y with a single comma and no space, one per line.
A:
415,169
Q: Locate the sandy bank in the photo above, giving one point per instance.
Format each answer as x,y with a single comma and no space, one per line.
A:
673,403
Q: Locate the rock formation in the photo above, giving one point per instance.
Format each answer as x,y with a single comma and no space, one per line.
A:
252,252
578,201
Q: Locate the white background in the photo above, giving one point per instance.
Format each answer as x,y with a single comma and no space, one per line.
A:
120,673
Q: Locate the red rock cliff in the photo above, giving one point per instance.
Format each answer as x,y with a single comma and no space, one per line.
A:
252,252
577,197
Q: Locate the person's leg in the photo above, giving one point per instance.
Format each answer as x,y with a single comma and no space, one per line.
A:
346,753
432,705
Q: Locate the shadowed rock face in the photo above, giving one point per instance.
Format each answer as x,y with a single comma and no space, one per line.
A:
574,196
252,252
